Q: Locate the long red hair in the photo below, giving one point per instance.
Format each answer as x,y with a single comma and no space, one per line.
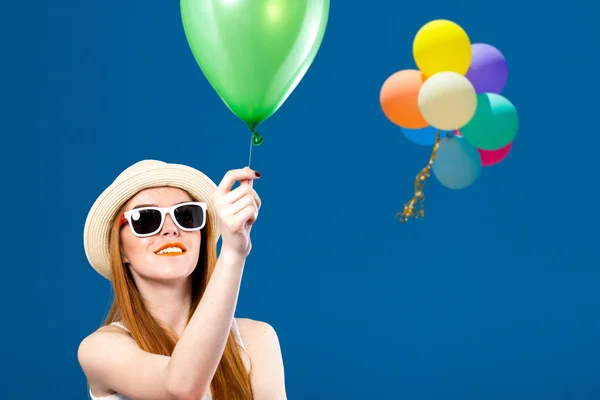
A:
231,380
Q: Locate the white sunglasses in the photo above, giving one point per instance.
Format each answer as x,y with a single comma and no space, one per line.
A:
148,221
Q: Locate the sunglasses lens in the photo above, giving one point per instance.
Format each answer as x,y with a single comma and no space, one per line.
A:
190,216
145,221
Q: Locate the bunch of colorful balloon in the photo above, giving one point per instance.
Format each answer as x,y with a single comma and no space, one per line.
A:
452,102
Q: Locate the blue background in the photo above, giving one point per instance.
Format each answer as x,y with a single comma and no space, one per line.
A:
493,295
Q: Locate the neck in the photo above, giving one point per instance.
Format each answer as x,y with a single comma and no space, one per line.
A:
168,302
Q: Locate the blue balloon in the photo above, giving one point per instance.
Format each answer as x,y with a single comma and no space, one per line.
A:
457,164
424,136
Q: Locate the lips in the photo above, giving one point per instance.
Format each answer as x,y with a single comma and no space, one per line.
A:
171,249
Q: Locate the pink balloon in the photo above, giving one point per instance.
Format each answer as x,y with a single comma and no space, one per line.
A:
491,157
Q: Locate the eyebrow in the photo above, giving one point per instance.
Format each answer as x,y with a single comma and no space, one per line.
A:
154,205
143,205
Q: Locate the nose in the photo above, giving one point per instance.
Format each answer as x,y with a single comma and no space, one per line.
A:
169,228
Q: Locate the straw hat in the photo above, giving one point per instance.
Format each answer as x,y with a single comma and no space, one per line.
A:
141,175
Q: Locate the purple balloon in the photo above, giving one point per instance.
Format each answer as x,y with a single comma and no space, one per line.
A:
488,71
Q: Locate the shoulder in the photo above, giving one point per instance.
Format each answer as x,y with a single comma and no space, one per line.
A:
263,349
102,337
257,333
261,342
104,345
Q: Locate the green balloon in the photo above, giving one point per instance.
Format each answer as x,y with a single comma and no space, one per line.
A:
254,52
494,124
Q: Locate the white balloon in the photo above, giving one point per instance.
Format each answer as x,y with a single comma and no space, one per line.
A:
447,101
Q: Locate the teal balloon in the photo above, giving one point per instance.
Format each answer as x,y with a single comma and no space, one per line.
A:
457,164
494,124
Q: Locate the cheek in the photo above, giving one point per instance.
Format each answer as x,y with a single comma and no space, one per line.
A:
198,240
132,246
194,240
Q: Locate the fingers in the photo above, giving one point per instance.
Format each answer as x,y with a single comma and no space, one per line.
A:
241,192
242,214
249,182
235,175
246,216
246,201
237,209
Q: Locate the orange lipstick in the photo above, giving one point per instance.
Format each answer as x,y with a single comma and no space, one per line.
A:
171,249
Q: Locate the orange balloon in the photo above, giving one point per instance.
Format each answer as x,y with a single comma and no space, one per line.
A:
399,98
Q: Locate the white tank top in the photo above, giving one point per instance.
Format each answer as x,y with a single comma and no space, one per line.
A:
207,396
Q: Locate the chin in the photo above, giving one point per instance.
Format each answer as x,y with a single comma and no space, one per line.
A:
169,276
170,270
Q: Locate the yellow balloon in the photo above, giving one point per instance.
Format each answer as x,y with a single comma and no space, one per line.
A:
447,101
440,46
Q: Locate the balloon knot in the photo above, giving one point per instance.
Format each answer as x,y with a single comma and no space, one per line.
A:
257,139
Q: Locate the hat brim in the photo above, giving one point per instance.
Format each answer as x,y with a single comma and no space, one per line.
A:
100,219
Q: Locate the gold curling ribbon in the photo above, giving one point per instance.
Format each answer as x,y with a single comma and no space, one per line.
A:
419,197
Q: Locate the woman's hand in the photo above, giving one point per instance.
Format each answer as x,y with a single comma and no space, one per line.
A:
237,209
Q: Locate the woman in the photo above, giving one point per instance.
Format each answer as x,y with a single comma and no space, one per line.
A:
171,331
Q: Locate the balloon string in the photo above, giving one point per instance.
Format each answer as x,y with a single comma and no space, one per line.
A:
255,140
419,185
251,145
